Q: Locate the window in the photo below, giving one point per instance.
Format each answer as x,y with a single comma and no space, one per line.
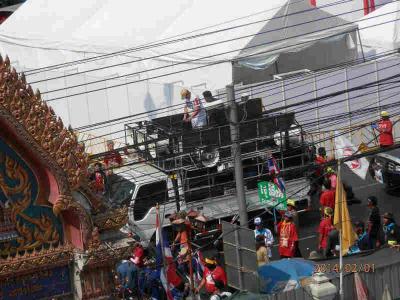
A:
148,196
121,190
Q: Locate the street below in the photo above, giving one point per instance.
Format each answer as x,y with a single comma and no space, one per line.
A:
309,221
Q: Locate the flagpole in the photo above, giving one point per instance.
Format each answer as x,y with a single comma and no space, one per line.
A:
341,294
190,261
160,235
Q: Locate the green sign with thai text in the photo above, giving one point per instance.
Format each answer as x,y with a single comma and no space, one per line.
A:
271,195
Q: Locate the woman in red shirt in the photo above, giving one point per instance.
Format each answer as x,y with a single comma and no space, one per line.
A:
287,233
325,226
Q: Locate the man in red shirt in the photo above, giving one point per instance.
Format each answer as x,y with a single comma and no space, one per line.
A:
327,198
287,234
325,226
320,160
138,255
212,273
384,127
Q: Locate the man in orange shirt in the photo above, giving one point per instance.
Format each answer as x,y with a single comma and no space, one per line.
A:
385,127
287,233
182,237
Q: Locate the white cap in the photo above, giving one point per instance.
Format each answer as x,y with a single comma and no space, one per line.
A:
257,221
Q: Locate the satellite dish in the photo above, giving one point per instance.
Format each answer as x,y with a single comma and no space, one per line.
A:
209,157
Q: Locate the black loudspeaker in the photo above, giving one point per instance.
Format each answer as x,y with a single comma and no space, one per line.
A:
284,121
277,123
217,116
169,123
210,137
267,126
251,109
248,130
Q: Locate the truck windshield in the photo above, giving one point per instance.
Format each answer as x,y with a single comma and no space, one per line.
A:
121,190
148,196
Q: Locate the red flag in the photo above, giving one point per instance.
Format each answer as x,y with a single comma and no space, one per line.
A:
369,6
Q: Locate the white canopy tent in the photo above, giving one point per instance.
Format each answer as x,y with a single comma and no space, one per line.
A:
385,36
44,33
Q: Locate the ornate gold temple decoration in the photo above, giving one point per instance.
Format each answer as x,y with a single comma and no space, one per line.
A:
35,260
58,143
110,220
42,230
108,255
94,242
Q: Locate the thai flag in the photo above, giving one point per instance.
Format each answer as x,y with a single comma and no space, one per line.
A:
280,184
199,266
165,262
273,166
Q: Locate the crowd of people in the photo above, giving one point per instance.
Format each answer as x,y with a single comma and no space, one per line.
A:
376,231
139,275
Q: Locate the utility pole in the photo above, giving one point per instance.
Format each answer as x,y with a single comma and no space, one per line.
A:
237,155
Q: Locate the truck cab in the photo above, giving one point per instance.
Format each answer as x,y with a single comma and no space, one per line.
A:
141,187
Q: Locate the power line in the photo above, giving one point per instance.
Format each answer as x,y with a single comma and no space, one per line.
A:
288,82
379,82
298,95
189,69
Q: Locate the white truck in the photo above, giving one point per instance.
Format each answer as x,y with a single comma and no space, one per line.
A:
147,186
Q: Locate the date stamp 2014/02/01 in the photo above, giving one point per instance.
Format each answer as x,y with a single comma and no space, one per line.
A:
347,268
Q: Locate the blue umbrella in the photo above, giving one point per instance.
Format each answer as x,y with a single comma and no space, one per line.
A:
284,274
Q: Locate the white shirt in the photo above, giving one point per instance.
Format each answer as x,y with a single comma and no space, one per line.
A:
220,296
200,119
269,238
